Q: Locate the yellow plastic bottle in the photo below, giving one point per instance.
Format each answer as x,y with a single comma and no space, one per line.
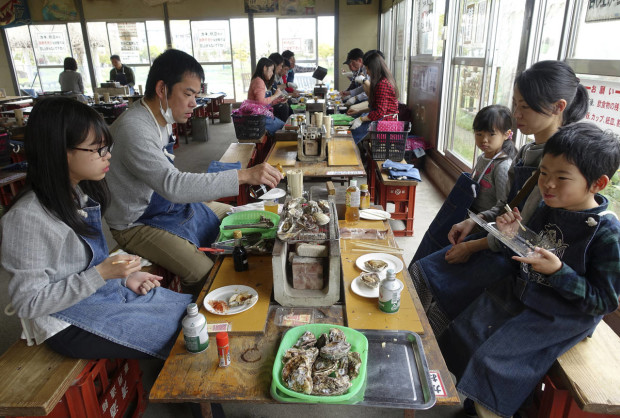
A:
352,201
364,197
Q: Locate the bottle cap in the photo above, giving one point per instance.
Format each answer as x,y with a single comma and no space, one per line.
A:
364,187
192,309
221,338
353,182
237,233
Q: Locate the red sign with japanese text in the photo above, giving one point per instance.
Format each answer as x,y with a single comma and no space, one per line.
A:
604,108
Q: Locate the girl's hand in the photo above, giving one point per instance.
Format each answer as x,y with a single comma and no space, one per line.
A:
508,223
142,283
542,261
458,254
459,231
118,266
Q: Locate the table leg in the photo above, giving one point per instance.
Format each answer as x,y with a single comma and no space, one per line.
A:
205,410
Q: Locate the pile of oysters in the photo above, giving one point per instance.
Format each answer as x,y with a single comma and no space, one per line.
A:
323,366
301,219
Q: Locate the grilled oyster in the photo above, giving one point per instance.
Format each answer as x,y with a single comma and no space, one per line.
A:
376,265
323,366
335,350
321,218
371,280
241,298
306,341
355,362
297,376
329,386
324,205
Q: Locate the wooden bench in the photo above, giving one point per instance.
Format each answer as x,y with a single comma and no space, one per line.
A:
585,381
263,145
246,155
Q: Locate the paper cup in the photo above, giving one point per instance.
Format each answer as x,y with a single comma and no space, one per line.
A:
140,89
19,117
106,97
327,122
96,96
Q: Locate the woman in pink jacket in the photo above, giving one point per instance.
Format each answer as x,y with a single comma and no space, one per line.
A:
260,91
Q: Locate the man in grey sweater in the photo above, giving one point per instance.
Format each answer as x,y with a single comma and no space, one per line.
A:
156,210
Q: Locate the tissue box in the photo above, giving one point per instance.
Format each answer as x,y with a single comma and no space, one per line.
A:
307,273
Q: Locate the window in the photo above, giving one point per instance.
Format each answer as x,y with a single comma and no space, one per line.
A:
38,53
395,43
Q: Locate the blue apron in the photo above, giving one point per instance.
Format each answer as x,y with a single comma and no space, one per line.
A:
503,344
456,286
148,323
122,78
194,222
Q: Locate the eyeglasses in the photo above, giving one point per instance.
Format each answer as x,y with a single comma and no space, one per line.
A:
103,151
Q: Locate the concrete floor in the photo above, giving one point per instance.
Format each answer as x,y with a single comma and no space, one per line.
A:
195,157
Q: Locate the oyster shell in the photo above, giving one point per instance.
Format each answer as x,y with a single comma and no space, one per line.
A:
371,280
330,386
355,362
324,205
306,341
343,366
297,376
241,298
323,366
321,218
321,341
335,350
336,335
310,354
375,265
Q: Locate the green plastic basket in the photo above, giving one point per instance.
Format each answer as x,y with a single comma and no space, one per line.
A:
340,119
358,342
298,108
248,217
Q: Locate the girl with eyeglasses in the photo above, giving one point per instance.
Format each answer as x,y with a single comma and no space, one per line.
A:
82,303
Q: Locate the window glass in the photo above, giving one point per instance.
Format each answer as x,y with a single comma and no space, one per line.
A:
128,40
211,40
99,50
51,44
265,36
551,30
79,53
400,65
240,34
471,41
386,34
593,38
181,35
22,55
299,36
326,46
430,19
219,78
157,38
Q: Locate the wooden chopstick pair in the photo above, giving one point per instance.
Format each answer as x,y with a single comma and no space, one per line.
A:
510,210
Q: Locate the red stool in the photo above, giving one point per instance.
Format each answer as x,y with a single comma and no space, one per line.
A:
399,192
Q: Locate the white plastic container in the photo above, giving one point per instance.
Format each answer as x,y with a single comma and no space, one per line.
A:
195,330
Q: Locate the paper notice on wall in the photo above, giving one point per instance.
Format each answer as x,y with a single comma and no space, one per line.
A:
604,108
602,10
130,44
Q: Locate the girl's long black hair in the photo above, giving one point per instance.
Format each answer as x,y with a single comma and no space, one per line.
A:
496,118
378,69
55,126
260,66
546,82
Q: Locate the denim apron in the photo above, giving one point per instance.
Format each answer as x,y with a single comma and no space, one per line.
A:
122,78
148,323
503,344
453,211
456,286
194,222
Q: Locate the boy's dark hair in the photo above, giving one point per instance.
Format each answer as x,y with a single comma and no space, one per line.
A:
288,54
171,67
496,117
595,152
546,82
115,57
260,66
57,125
286,63
378,70
70,64
276,58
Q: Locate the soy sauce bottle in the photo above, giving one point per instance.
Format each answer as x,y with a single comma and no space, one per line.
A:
257,191
240,255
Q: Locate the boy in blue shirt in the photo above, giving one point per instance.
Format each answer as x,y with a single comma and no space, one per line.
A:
505,341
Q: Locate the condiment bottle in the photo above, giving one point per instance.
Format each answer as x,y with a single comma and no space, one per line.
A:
364,197
195,330
258,191
352,202
240,255
389,293
223,350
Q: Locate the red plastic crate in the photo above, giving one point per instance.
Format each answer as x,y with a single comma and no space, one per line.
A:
558,403
104,389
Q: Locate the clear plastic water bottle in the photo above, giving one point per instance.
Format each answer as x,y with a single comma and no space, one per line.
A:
195,330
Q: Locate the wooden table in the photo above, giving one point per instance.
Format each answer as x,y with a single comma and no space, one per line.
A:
197,378
215,100
345,161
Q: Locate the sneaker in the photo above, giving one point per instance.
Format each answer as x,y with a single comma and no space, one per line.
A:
469,408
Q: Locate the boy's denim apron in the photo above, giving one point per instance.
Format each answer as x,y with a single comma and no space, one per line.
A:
456,286
453,211
503,344
194,222
148,323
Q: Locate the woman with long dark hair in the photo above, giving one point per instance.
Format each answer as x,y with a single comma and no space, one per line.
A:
260,91
382,96
82,302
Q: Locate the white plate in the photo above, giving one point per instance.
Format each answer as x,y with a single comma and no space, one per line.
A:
393,262
224,293
374,214
362,290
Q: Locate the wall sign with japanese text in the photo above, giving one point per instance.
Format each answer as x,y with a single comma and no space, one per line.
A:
602,10
604,108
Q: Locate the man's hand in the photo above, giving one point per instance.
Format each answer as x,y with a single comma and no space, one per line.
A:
351,101
260,174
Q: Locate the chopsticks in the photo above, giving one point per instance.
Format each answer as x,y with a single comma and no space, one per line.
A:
367,246
510,210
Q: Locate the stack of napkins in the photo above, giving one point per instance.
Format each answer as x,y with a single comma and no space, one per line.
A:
400,171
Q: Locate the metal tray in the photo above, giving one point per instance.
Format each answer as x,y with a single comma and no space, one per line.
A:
397,371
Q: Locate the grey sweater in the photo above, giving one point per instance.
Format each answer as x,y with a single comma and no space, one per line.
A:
139,167
47,264
71,81
494,185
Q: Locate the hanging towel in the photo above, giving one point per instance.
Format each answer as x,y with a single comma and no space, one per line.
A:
391,165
